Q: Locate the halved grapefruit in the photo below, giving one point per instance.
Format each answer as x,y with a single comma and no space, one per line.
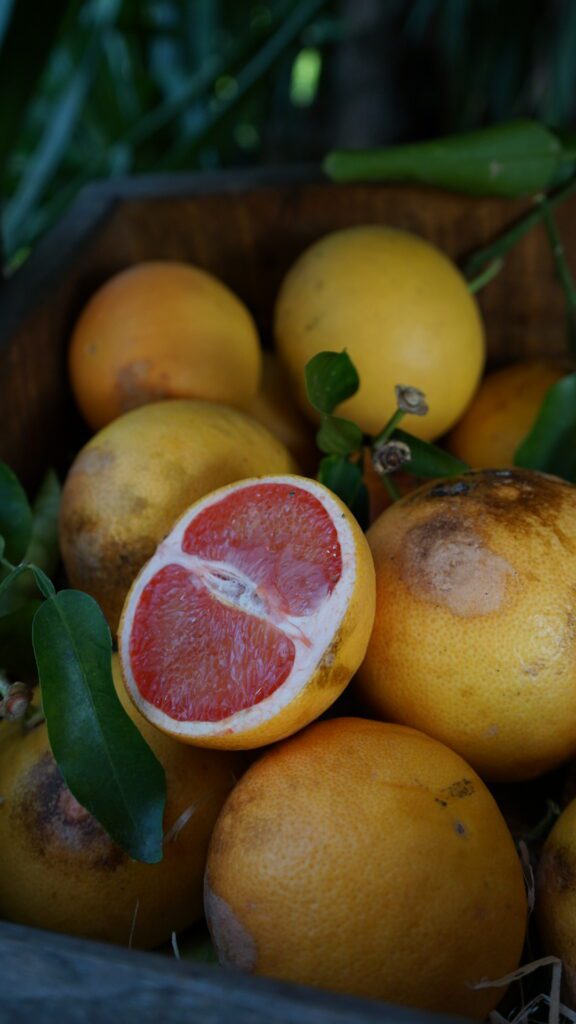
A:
251,617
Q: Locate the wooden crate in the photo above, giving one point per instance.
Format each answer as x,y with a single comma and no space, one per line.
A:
247,228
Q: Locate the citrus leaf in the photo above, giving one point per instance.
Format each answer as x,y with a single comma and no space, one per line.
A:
346,480
103,758
338,436
331,378
43,548
427,460
550,445
512,159
16,651
15,515
13,574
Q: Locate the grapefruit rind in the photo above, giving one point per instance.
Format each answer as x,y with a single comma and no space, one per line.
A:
329,644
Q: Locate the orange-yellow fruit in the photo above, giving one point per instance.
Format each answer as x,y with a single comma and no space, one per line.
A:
275,408
502,413
162,330
252,616
474,639
401,310
130,483
556,897
60,870
370,859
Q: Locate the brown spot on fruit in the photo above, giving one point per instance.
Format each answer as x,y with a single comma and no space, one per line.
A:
56,824
234,944
445,561
557,869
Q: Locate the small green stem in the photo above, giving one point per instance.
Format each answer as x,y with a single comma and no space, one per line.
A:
509,238
386,433
485,276
562,270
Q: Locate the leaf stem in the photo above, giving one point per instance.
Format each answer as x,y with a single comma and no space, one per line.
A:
509,238
562,270
386,433
390,486
485,276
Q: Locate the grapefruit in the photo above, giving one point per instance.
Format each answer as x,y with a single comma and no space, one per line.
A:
133,479
276,409
474,638
556,896
60,870
502,413
252,616
401,310
367,858
162,330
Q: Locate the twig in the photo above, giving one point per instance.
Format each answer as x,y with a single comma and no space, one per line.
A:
562,270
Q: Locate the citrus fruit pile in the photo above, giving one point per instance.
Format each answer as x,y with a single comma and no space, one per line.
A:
363,852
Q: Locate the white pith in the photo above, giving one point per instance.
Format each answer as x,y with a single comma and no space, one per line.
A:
311,635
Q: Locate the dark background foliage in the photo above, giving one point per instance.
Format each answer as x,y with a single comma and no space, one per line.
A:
111,87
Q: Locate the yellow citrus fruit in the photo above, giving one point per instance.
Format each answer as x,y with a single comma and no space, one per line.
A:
474,639
60,870
502,413
133,479
556,896
369,859
401,310
275,408
252,616
162,330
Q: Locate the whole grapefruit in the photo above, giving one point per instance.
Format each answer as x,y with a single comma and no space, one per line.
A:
162,330
474,639
370,859
402,311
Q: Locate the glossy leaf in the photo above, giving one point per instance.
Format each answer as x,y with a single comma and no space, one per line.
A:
512,159
346,480
550,445
15,515
102,756
331,378
427,460
338,436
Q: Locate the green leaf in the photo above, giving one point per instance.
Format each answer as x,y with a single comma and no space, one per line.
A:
551,443
103,758
15,515
427,460
43,548
346,480
16,651
12,575
331,378
512,159
338,436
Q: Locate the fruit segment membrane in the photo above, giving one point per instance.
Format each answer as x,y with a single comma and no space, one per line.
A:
216,627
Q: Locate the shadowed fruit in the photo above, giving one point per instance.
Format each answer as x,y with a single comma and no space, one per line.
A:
162,330
556,897
60,870
502,413
370,859
275,408
402,311
130,483
474,639
252,616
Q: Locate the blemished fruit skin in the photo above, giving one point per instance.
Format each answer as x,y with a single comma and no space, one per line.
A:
319,684
162,330
474,638
133,479
555,904
502,413
401,310
369,859
60,870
